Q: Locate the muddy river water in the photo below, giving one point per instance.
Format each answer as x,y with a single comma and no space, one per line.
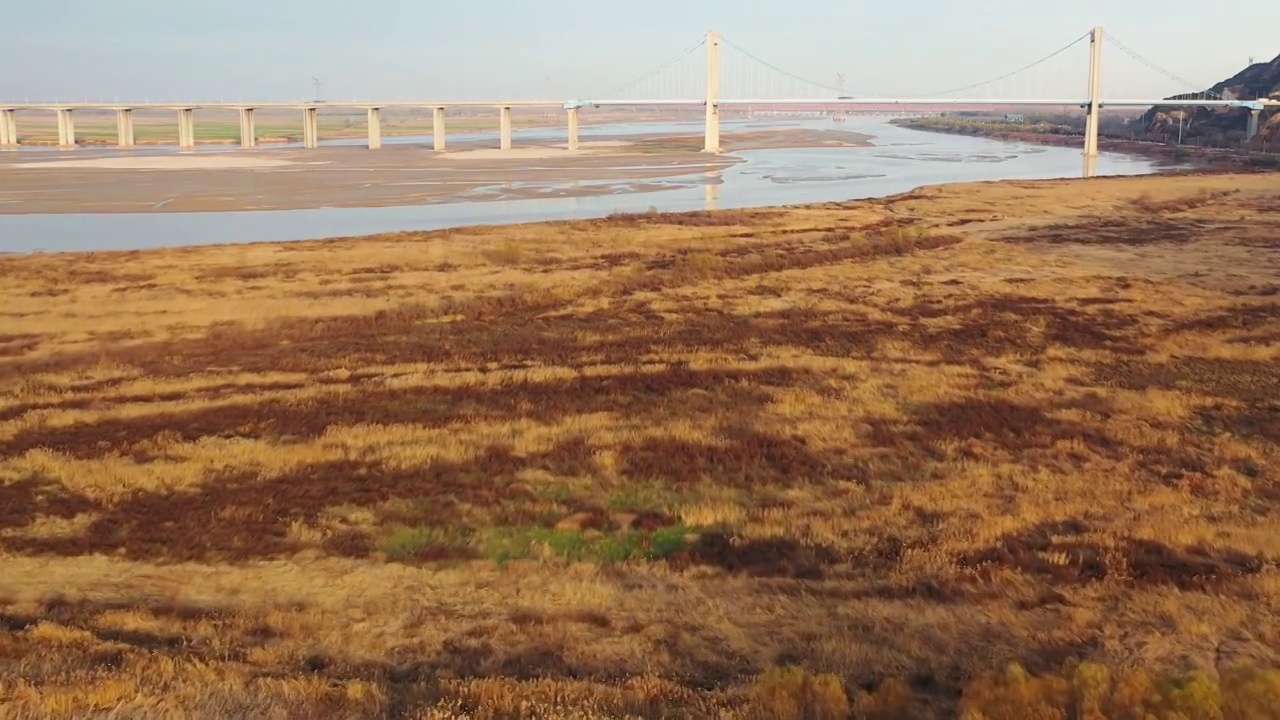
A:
899,160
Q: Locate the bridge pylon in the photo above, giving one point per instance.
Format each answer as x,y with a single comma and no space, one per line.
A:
712,131
1095,101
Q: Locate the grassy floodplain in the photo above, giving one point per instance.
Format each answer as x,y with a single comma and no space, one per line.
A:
998,451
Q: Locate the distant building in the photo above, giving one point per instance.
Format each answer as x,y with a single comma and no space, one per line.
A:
1014,118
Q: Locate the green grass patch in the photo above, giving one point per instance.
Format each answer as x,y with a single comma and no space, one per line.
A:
639,496
576,546
404,542
424,544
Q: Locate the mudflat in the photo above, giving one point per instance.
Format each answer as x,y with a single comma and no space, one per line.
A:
108,181
286,179
998,449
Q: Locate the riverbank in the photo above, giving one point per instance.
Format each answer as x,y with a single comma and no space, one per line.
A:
852,457
1217,157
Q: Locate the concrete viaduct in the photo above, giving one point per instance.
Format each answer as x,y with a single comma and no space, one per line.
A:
310,125
248,134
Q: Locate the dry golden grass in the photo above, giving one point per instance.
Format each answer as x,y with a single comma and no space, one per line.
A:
972,449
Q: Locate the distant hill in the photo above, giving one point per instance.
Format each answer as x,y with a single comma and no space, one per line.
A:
1223,126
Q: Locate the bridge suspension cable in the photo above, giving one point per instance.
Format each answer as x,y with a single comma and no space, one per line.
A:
791,76
642,79
1197,89
1024,68
766,86
747,76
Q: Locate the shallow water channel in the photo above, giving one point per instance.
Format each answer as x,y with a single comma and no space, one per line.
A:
900,160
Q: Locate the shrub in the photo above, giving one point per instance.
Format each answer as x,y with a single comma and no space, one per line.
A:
793,693
699,264
1015,695
1195,697
505,253
1133,696
890,701
1090,691
1093,693
1251,694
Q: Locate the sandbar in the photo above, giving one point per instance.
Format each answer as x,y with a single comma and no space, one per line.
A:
202,161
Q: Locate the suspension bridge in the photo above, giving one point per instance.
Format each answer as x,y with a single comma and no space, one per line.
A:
716,74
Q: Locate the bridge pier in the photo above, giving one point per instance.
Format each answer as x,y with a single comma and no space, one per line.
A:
248,129
186,129
712,130
437,128
504,128
375,128
1252,131
8,128
310,128
573,128
1090,166
66,129
124,128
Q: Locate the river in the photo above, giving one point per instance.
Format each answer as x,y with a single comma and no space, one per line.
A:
900,160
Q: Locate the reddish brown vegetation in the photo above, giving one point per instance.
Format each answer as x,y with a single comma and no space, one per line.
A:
1181,204
1126,231
25,499
18,345
215,391
1008,324
1243,380
748,458
772,557
1055,552
513,328
1251,324
1007,425
677,390
1257,419
244,516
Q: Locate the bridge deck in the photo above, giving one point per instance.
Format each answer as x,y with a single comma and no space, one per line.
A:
852,102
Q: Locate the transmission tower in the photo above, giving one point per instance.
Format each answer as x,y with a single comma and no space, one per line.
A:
840,115
317,83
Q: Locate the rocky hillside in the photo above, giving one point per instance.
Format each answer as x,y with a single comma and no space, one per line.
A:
1259,80
1223,126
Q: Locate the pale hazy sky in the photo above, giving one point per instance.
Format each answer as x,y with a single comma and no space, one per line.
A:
568,49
